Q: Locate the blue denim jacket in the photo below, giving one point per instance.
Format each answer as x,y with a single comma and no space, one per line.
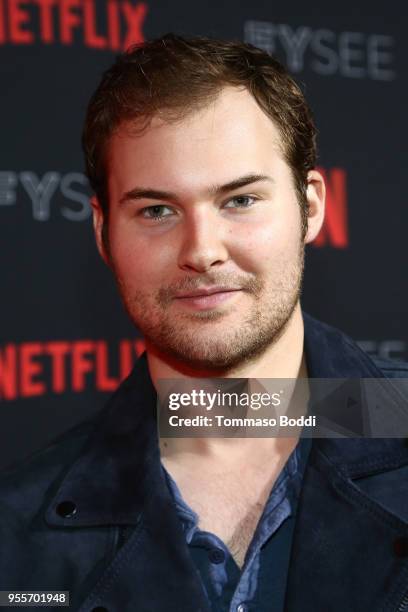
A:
92,513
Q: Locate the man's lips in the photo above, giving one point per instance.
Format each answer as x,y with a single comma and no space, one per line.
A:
204,291
206,297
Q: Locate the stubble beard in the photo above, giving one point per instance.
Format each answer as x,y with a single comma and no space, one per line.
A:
196,340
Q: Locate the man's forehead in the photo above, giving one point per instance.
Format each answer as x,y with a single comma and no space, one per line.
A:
231,108
190,157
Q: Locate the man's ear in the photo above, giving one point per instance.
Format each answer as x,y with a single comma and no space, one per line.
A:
98,224
316,196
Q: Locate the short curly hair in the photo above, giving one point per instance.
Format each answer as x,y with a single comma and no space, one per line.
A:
174,75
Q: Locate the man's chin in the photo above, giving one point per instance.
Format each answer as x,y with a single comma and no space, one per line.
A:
217,365
208,359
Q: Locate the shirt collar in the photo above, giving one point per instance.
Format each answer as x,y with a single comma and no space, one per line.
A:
287,485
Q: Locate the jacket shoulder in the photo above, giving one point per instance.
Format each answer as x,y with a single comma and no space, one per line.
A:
391,368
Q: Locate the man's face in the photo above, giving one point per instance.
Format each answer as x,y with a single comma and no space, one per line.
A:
208,257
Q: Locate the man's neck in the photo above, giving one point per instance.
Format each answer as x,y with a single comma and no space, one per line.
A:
284,359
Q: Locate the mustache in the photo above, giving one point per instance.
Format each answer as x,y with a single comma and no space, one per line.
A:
250,284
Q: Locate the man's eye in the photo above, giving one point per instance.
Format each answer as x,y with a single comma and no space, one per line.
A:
243,201
155,212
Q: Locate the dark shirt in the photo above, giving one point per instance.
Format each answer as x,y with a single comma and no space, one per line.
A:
260,585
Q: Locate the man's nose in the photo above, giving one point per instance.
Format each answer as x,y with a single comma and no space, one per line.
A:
203,244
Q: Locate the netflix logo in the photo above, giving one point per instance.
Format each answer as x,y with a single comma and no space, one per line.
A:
335,229
98,24
33,369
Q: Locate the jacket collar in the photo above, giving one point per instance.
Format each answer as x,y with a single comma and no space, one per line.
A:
118,473
332,354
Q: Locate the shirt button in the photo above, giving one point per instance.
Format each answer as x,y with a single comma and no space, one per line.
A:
241,608
216,555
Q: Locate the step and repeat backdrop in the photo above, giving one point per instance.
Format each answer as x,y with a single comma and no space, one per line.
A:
65,340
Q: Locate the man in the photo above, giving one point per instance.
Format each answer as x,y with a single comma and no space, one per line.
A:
201,154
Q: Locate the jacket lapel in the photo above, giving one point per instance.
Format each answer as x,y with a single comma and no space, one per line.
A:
118,482
346,547
153,569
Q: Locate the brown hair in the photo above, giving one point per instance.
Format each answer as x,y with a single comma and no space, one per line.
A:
173,75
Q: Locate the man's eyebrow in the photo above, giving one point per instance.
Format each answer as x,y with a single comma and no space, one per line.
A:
138,193
242,181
